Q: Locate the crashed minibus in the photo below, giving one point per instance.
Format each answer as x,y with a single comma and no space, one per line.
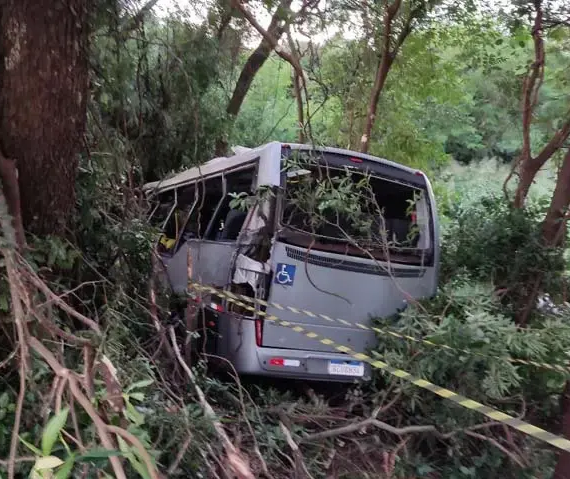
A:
269,223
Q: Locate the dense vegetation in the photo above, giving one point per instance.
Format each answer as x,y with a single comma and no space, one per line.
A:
476,96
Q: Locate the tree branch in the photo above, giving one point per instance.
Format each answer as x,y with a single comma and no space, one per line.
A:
269,38
319,436
133,22
237,462
499,446
126,435
100,426
38,283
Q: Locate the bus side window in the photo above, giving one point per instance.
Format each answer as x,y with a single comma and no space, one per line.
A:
228,222
160,212
209,193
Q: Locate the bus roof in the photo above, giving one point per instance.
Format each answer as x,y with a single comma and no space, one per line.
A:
210,168
245,155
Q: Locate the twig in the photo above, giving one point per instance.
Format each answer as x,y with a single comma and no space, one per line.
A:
499,446
299,462
236,461
138,445
17,460
386,407
8,359
241,401
19,319
17,419
38,283
76,425
100,426
179,455
59,394
319,436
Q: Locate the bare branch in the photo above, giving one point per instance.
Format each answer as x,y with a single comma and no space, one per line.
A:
126,435
269,38
133,22
100,426
319,436
499,446
299,462
38,283
237,462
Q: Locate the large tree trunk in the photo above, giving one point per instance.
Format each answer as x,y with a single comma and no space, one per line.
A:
380,80
387,56
554,225
259,56
43,93
530,166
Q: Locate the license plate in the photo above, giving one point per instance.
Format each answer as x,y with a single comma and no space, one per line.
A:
346,368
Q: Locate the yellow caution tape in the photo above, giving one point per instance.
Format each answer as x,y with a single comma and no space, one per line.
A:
494,414
553,367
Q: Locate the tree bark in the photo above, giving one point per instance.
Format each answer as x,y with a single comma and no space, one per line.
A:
298,92
381,75
9,179
259,56
554,225
43,93
388,54
528,165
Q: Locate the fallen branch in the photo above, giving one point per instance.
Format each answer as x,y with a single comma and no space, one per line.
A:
39,283
319,436
127,436
17,419
85,403
299,461
179,455
16,288
236,461
499,446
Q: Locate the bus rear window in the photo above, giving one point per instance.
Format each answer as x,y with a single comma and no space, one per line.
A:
337,206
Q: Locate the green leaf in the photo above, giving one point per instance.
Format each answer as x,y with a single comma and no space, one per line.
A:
140,384
31,447
137,396
3,302
133,415
128,453
98,454
65,471
47,462
52,430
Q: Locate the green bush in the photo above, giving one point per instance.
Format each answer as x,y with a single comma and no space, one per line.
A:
467,316
489,240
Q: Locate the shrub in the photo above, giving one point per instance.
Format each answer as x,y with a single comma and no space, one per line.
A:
489,240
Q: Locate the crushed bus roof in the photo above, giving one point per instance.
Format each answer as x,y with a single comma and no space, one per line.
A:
244,155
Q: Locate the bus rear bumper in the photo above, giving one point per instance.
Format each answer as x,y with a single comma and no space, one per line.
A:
238,345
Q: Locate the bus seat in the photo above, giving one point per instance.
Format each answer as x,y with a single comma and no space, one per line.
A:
232,225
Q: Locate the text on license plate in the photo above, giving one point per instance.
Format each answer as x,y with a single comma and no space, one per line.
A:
346,368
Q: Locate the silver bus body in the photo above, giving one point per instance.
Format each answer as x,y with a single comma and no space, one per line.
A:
253,252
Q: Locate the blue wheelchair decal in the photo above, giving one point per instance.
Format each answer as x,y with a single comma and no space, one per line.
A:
285,274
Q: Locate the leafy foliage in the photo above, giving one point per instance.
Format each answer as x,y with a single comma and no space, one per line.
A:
490,240
451,107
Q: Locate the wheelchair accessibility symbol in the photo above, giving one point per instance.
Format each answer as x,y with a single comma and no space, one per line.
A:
285,274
